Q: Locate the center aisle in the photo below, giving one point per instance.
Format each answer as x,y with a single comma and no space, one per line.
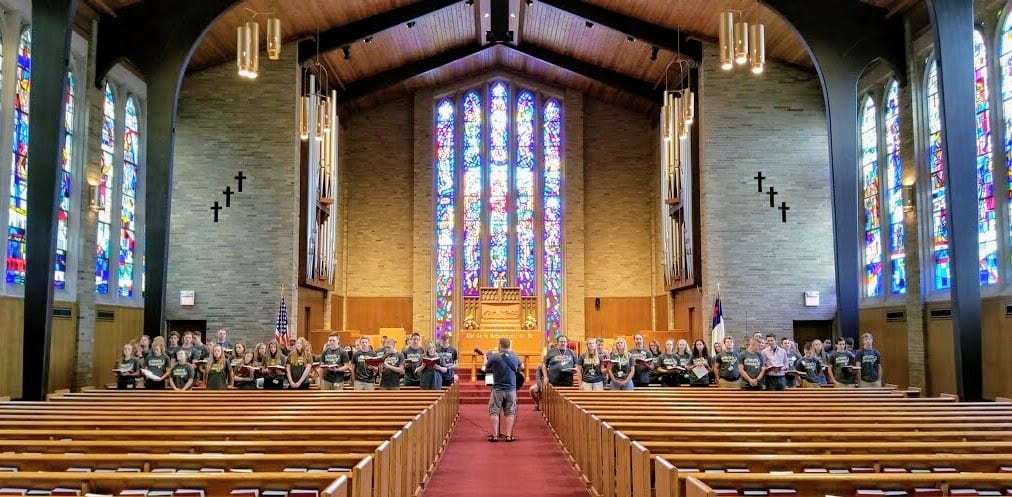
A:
532,465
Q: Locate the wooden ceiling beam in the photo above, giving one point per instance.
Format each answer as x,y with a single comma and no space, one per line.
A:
608,77
659,36
385,79
337,37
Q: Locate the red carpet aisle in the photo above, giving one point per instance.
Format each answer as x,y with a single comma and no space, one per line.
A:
531,466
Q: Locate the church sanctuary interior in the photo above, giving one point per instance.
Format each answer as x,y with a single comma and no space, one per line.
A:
657,248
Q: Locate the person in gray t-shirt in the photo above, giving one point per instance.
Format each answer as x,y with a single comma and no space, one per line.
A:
750,366
560,364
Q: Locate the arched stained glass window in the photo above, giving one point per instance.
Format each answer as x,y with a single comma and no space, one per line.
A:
936,167
499,173
894,192
66,166
872,223
17,225
521,152
128,206
105,190
445,205
552,122
525,182
472,193
987,233
1005,72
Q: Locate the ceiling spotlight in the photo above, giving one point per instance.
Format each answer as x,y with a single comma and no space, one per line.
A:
468,2
653,53
630,38
347,52
588,24
512,15
530,2
411,24
368,39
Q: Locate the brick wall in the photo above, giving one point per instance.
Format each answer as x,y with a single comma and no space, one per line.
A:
236,266
776,124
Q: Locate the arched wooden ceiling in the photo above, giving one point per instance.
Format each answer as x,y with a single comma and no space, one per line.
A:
613,58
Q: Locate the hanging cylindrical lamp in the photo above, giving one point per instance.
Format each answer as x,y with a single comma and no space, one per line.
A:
683,127
325,113
241,62
688,107
320,110
273,38
726,40
666,130
757,48
740,41
304,117
252,40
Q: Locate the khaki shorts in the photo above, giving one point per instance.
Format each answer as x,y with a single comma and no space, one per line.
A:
592,386
364,385
327,385
728,384
845,385
502,400
810,384
870,384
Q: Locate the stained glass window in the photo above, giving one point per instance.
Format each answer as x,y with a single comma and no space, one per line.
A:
894,192
445,205
105,189
498,172
872,223
939,213
552,123
987,228
472,193
17,224
524,180
63,214
491,158
128,206
1005,72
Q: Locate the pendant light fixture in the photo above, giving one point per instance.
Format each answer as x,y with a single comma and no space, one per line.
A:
274,38
247,51
741,42
727,40
757,44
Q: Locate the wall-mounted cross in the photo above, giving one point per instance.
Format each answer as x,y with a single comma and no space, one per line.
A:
772,193
759,177
228,195
239,177
783,211
216,208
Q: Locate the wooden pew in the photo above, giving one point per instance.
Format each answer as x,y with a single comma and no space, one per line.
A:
807,484
258,463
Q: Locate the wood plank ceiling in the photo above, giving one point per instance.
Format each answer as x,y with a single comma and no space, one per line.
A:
603,62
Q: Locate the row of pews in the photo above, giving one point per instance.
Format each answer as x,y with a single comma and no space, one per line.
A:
225,443
802,442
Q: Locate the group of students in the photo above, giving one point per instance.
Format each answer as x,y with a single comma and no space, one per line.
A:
186,362
757,365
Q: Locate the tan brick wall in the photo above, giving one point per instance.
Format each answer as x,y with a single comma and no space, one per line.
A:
424,214
573,208
378,165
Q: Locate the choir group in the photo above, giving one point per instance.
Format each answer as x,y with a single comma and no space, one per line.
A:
186,362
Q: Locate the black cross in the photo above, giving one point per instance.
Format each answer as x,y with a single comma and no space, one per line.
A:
783,211
228,195
239,177
772,193
216,208
759,177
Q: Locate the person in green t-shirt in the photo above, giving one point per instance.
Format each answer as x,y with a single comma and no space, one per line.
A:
127,369
157,364
621,366
334,364
392,369
300,365
219,371
430,377
590,369
182,374
365,375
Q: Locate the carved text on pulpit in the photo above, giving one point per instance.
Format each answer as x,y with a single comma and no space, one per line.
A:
499,313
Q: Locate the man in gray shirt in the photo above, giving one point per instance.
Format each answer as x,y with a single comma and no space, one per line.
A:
640,354
775,363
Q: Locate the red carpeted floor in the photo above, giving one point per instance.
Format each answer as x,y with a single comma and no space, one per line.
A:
532,465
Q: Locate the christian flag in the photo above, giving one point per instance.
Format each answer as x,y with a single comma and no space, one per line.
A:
717,333
281,329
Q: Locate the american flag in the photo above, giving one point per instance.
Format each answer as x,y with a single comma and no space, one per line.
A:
281,330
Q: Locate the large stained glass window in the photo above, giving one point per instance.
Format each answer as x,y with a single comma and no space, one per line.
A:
445,205
510,230
105,189
872,223
936,166
66,164
524,181
18,222
472,193
894,192
1005,63
987,234
552,128
128,206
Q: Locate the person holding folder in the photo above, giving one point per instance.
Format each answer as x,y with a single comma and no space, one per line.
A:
775,364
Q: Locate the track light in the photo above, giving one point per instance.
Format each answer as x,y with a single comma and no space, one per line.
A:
588,24
368,39
653,52
347,52
411,24
530,2
630,38
468,2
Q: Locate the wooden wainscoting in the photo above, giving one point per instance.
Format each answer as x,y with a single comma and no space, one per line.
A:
940,367
336,312
888,325
661,312
63,347
996,340
12,336
111,332
369,314
311,306
690,313
617,316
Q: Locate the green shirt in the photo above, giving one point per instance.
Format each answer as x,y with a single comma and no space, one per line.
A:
218,374
182,373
